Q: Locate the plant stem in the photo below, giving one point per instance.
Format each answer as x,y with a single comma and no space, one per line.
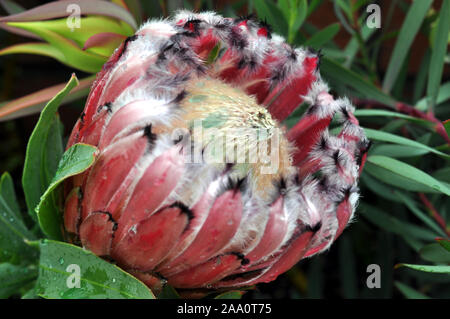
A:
434,213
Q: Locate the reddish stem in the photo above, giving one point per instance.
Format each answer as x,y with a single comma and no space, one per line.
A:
409,110
434,213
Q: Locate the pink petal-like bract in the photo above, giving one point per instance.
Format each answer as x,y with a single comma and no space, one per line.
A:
198,182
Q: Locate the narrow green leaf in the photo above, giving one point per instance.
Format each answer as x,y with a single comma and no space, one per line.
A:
439,50
394,172
409,292
38,48
392,138
13,278
13,234
75,56
298,19
444,243
409,202
9,195
443,95
58,9
421,77
426,268
40,154
435,253
323,36
168,292
99,279
379,188
397,151
75,160
411,233
340,74
374,112
408,31
89,26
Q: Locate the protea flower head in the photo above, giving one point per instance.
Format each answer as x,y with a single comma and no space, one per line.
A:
172,112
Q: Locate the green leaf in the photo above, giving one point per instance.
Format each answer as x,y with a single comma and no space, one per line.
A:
9,195
297,17
439,50
409,202
13,278
44,151
373,112
427,268
447,127
98,278
13,234
409,232
340,74
30,294
168,292
444,243
379,188
409,292
38,48
443,95
234,294
394,172
378,135
397,151
435,253
57,9
89,26
323,36
75,160
408,31
269,11
74,55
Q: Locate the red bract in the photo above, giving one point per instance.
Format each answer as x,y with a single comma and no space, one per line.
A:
147,205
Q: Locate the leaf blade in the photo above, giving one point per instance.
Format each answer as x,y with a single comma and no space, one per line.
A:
74,161
99,279
408,31
34,184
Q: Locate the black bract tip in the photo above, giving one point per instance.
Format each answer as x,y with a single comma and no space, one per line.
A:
313,228
149,134
184,210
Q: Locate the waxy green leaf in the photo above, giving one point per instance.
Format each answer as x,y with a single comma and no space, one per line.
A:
400,174
439,51
61,263
378,135
408,31
13,278
58,9
427,268
44,150
74,161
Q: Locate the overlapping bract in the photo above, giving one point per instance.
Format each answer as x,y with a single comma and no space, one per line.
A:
191,224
